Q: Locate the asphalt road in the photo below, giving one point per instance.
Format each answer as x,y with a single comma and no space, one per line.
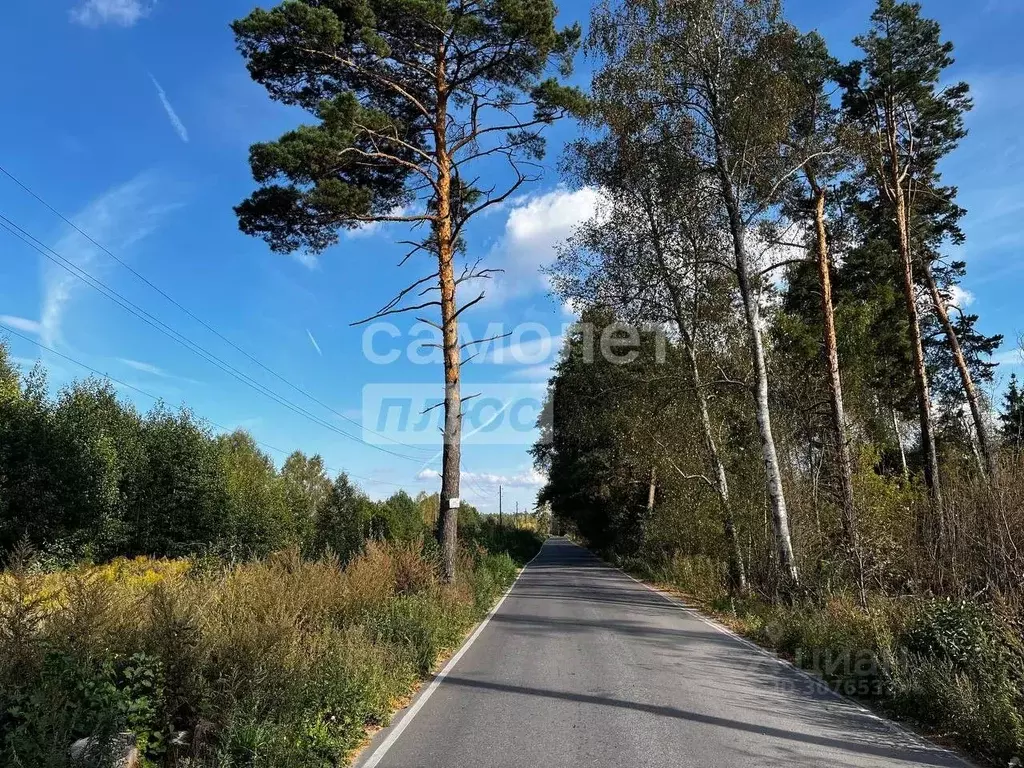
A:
581,666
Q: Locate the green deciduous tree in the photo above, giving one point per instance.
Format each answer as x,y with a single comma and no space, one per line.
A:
342,522
654,257
260,519
402,516
605,425
306,487
718,72
178,499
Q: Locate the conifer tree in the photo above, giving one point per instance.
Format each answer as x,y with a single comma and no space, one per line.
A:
406,95
907,122
1011,420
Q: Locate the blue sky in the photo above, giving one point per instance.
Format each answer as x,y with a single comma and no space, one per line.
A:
134,119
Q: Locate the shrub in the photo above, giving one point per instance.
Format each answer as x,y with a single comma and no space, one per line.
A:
520,544
961,667
279,663
953,665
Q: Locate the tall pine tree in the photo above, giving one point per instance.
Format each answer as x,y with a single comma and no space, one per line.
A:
406,96
1011,420
907,122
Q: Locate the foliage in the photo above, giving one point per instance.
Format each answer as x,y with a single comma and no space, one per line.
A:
342,521
1012,418
401,518
220,658
728,147
282,662
84,476
378,76
520,544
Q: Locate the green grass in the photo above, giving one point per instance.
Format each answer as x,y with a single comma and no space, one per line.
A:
954,667
278,664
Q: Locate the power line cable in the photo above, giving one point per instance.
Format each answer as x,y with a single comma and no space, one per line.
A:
471,481
191,314
155,398
126,304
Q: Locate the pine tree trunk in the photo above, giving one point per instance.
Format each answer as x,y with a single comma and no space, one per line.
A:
752,313
970,391
451,455
835,382
931,460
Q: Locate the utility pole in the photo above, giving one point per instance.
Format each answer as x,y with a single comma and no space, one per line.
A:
501,518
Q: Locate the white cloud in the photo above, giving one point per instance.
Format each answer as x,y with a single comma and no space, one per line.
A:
313,342
531,478
309,260
534,350
541,373
960,297
118,219
1009,357
535,227
771,252
25,363
137,365
527,479
22,324
119,13
179,127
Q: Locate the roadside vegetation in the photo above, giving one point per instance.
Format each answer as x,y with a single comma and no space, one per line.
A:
953,665
282,662
172,596
85,477
775,400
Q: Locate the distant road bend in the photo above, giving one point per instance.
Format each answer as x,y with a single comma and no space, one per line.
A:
581,666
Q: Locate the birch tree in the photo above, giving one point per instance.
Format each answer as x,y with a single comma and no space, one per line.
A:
716,67
655,256
407,96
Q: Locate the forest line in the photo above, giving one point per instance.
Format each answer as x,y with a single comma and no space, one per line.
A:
818,450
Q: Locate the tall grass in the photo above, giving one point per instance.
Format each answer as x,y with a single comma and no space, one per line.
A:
954,666
278,663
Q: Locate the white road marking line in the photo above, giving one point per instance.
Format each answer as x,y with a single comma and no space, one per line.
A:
382,750
817,682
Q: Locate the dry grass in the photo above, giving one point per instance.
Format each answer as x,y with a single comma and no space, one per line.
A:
953,666
279,663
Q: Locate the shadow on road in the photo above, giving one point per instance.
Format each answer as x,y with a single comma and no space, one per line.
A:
921,756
